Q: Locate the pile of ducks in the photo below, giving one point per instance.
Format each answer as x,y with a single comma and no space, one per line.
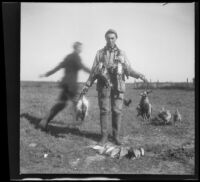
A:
118,152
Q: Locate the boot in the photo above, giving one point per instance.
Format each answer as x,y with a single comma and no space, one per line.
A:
54,110
116,141
43,124
104,139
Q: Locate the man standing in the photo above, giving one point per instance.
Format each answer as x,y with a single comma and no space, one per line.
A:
110,68
72,64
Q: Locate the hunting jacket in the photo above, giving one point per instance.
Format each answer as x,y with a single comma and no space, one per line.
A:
110,59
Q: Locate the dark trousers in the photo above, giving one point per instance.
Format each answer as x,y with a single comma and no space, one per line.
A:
64,97
107,97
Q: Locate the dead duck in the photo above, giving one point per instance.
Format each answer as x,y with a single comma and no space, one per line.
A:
177,116
165,115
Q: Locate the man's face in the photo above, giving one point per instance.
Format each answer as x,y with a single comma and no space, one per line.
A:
111,39
78,49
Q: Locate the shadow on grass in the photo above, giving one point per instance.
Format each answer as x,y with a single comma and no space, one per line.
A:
56,130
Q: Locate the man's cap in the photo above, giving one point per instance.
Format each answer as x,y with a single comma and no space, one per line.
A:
111,31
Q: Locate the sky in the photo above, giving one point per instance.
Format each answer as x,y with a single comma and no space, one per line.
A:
157,39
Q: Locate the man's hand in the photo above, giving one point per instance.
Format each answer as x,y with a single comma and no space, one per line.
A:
84,90
43,75
142,77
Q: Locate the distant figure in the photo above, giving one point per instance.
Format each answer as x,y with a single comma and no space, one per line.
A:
72,64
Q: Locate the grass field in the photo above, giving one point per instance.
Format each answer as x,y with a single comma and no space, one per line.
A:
169,149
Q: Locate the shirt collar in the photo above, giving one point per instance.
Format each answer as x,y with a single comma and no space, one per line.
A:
107,48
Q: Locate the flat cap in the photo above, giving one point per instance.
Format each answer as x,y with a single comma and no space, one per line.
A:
111,31
75,44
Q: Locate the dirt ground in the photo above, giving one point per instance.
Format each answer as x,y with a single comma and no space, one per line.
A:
169,149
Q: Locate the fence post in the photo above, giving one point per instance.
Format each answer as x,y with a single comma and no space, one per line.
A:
157,84
150,84
187,83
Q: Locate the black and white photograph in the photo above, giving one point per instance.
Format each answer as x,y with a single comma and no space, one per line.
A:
107,88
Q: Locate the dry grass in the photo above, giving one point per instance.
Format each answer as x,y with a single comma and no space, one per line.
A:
168,149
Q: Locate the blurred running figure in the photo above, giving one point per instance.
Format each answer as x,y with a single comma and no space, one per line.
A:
72,64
